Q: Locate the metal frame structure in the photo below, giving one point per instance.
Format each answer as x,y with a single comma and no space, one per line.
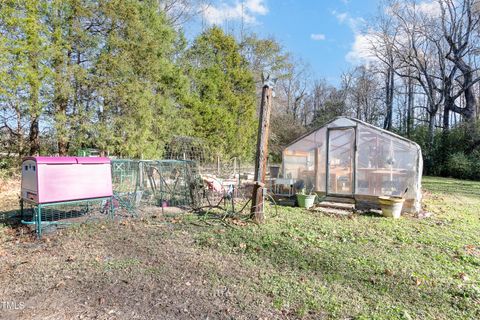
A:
372,164
354,163
38,207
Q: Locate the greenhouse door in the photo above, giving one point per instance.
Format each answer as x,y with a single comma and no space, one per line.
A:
340,164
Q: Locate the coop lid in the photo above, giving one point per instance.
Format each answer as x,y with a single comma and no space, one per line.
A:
92,160
68,160
53,160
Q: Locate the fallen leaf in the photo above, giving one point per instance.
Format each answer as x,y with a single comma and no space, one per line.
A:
463,276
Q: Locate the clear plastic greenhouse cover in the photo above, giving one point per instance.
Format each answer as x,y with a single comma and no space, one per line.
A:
363,160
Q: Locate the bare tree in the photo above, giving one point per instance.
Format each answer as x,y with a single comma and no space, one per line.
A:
181,11
410,53
459,21
362,94
295,88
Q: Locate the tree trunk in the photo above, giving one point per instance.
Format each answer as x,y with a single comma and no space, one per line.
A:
61,65
470,104
431,127
34,82
410,106
469,112
34,137
389,87
446,114
19,133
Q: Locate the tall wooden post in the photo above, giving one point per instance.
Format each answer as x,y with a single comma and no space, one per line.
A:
261,155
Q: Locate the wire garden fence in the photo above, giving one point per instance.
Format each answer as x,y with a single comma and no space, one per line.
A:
159,183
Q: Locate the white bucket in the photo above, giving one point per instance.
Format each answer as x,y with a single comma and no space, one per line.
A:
391,206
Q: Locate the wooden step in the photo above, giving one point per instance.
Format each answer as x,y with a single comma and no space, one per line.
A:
339,200
336,205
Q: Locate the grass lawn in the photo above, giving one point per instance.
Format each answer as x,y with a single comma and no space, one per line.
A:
298,265
365,266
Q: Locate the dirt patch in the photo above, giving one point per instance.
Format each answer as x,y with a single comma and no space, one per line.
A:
143,268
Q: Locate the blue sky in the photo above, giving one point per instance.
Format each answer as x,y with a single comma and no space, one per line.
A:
324,33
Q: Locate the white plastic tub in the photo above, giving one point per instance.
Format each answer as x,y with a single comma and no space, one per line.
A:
391,206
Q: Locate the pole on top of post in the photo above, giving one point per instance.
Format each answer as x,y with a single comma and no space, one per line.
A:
261,155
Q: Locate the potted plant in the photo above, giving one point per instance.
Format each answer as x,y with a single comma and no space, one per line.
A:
306,200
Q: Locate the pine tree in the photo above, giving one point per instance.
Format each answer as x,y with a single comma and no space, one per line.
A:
24,42
223,107
139,84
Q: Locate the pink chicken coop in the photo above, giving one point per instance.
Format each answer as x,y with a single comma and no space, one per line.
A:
49,181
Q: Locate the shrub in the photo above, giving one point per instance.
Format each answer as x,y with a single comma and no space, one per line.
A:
475,161
8,167
459,165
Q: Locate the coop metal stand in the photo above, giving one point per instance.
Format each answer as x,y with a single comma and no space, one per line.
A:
37,211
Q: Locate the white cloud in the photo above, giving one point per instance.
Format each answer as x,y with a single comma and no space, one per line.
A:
355,23
317,36
234,11
341,16
360,51
256,6
430,8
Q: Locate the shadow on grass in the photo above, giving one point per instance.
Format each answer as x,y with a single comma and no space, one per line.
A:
371,214
11,218
459,187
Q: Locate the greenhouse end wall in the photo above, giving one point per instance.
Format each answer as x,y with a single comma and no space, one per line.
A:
364,162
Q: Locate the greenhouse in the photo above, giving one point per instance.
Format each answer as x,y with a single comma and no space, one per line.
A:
349,158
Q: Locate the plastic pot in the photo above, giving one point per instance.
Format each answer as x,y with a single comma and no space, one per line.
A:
306,200
391,206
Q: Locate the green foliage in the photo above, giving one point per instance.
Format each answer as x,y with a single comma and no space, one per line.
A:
23,71
138,81
455,153
283,128
330,110
223,103
458,165
266,57
8,167
114,75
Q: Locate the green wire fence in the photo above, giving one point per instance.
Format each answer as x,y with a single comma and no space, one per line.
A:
160,183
